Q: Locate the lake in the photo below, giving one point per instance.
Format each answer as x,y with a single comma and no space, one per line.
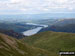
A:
32,31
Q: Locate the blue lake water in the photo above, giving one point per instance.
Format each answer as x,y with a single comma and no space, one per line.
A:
35,30
32,31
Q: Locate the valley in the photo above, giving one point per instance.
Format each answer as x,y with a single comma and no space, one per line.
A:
37,27
43,38
28,29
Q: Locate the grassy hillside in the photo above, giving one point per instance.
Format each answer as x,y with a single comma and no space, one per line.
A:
12,47
52,41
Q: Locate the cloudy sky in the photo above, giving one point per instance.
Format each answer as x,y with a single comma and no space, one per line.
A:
36,6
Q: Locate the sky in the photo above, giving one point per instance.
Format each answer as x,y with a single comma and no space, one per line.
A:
36,6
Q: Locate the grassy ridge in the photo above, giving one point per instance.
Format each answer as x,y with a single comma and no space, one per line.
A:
12,47
52,41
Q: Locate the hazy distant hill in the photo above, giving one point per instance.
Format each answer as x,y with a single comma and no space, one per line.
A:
12,33
66,25
62,25
12,47
63,22
16,29
66,28
52,41
49,22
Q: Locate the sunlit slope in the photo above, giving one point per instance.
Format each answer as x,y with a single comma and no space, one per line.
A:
13,47
53,41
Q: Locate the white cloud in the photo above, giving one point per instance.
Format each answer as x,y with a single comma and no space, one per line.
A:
70,9
62,1
38,5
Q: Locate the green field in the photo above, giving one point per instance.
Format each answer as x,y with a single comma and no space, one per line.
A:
53,42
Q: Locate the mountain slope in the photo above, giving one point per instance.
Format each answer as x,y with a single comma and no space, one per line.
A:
12,47
62,25
12,33
63,22
53,41
66,28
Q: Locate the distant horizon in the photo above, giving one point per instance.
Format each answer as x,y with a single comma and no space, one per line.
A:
40,13
38,16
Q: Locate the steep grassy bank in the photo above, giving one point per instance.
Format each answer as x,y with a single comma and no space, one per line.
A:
12,47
